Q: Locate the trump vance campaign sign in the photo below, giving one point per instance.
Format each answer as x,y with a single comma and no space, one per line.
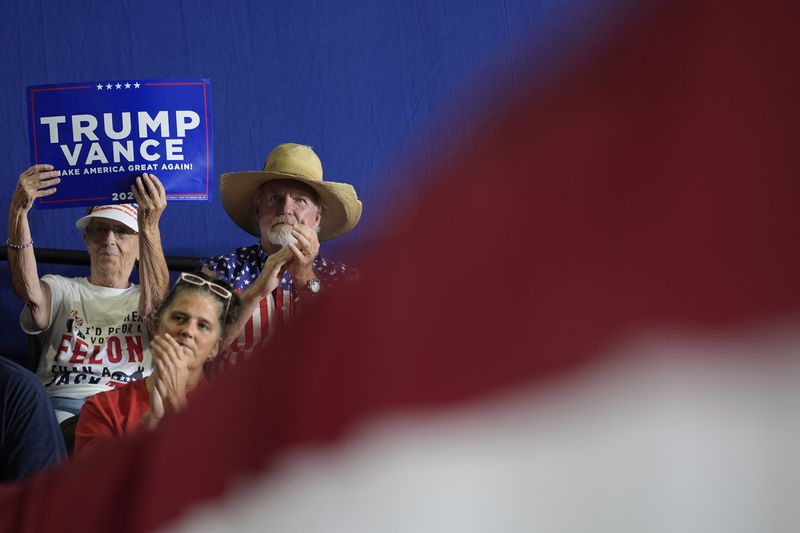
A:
101,135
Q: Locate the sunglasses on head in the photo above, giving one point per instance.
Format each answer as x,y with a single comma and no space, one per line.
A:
219,290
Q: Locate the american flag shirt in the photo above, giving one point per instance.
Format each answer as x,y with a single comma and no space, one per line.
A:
240,268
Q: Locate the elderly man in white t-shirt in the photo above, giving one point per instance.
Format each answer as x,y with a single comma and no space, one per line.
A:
93,330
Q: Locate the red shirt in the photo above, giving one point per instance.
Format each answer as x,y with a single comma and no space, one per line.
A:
112,413
116,412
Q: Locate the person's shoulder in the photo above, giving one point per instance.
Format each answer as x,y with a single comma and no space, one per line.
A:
237,255
137,388
61,280
14,374
334,270
107,396
97,403
120,394
62,284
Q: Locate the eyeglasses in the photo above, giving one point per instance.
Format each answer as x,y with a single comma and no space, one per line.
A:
98,232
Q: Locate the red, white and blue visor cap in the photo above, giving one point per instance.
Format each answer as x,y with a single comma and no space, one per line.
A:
124,213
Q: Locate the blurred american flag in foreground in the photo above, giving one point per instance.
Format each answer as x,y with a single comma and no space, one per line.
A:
590,324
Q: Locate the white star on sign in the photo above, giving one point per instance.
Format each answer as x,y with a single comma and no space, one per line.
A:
136,85
127,85
99,86
108,85
118,86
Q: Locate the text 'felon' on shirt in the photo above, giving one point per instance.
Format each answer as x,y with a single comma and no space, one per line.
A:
96,339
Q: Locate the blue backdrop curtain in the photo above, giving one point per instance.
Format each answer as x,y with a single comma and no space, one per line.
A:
371,85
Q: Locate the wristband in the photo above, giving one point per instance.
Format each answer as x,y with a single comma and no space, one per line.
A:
19,246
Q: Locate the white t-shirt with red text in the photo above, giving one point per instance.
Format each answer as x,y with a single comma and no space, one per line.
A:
95,341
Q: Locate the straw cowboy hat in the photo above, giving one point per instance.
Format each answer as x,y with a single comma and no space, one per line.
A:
341,208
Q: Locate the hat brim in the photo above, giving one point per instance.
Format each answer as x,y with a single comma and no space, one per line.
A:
110,212
341,208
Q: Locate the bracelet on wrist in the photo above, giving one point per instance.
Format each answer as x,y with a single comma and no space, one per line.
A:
19,246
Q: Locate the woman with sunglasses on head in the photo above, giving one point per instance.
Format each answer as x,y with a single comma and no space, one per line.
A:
188,334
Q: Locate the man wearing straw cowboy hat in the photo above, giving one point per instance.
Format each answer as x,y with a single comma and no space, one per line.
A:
291,208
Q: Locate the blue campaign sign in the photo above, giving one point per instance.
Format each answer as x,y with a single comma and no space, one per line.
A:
103,134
